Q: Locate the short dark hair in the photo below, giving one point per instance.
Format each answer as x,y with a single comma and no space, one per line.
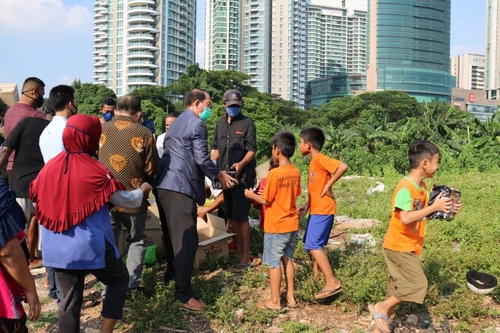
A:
285,142
313,135
31,83
195,94
59,97
420,150
129,103
172,115
108,100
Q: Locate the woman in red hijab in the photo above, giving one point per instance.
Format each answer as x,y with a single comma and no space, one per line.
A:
71,194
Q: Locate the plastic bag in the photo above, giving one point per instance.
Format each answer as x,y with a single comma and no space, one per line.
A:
447,192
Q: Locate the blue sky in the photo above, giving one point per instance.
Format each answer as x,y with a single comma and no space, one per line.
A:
52,39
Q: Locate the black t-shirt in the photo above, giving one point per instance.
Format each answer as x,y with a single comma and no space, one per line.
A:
233,141
28,162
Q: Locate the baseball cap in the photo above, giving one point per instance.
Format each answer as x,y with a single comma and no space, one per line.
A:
233,97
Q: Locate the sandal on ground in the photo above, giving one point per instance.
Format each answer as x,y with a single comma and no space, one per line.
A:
381,320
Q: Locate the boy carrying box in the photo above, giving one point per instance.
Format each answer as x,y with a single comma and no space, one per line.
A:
404,239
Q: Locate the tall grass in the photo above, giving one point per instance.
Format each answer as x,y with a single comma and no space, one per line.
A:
451,249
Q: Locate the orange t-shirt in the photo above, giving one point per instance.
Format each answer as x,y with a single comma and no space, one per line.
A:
401,237
320,172
281,191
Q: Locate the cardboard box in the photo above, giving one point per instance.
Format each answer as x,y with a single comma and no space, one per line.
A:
152,230
213,239
152,219
153,236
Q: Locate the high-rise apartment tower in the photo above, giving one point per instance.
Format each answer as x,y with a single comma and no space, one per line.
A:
262,38
336,41
139,43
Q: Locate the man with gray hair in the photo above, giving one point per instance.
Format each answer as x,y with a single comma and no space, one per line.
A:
128,150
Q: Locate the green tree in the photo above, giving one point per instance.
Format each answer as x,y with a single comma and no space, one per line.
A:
394,105
154,113
214,82
89,97
159,96
345,110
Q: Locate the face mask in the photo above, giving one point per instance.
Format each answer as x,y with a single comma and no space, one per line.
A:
205,114
233,111
108,116
39,101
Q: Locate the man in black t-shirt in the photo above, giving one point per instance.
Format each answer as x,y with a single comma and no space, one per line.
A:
233,149
27,164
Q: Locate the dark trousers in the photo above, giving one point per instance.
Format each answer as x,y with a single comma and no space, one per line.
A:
169,251
71,284
180,213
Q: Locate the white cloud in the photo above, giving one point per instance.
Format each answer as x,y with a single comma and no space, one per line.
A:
66,80
32,19
200,53
2,72
462,49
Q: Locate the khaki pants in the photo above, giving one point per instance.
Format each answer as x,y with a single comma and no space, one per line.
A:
407,281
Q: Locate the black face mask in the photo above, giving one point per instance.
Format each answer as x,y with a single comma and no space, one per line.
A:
39,101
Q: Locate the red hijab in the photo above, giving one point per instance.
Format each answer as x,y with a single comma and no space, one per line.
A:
73,185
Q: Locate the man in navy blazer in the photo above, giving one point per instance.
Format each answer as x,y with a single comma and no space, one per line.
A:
180,185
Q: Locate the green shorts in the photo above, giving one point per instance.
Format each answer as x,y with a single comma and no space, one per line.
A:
407,281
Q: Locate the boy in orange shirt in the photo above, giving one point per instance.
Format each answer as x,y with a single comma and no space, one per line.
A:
405,236
260,189
282,222
323,173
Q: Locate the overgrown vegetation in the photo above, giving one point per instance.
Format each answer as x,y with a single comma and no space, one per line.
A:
451,249
371,133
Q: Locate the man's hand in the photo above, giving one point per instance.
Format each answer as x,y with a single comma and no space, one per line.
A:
226,180
34,305
236,167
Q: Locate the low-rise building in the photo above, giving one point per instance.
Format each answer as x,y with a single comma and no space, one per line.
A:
474,101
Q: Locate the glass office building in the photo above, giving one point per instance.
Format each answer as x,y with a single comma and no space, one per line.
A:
320,91
410,48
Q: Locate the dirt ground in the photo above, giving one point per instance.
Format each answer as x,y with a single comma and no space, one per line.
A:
329,315
332,317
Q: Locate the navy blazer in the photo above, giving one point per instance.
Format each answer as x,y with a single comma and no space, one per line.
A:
185,160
